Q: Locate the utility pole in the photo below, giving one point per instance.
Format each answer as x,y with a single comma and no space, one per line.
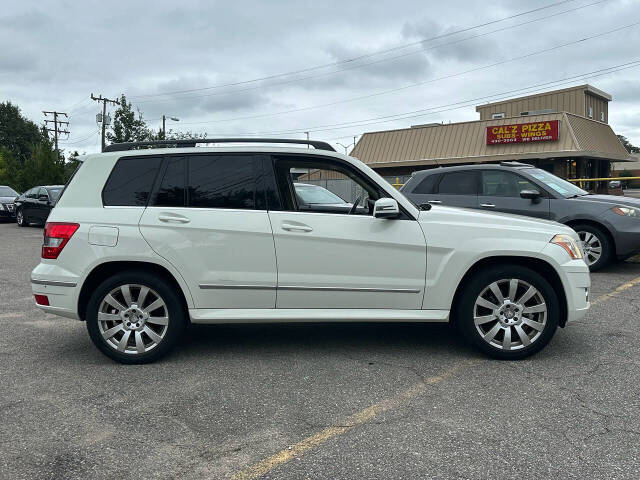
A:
104,112
164,129
56,125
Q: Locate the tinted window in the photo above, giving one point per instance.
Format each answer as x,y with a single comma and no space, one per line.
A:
130,181
31,193
458,183
222,181
54,193
427,185
499,183
171,191
42,191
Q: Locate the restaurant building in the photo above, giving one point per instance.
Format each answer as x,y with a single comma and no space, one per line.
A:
565,132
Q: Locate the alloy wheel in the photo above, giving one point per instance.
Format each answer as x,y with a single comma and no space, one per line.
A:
510,314
133,319
19,217
592,247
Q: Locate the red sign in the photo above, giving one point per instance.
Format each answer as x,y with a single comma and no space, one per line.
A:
523,133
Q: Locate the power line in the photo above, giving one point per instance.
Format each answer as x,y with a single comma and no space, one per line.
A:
413,85
360,57
455,105
351,67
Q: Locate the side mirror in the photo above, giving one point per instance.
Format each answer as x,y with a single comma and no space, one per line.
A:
386,208
530,194
43,198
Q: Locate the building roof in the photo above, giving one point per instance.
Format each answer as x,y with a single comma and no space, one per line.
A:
465,142
586,88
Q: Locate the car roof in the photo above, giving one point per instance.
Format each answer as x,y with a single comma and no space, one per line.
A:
484,166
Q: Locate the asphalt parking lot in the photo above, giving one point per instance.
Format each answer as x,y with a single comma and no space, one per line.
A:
317,401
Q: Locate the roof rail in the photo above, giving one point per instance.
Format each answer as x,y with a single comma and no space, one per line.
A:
191,142
515,164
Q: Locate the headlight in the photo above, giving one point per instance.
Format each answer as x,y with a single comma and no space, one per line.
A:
626,211
2,207
569,244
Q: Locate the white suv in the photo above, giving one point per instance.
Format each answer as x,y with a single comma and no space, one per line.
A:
143,242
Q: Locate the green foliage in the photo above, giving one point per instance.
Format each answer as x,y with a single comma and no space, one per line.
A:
128,126
18,135
627,144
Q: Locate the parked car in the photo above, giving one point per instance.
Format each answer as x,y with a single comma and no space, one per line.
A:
7,203
143,242
34,205
608,225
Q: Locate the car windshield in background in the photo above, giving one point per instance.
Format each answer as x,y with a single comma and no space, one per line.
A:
317,195
557,184
54,193
8,192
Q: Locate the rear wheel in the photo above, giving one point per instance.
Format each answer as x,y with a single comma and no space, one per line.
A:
597,247
135,317
509,312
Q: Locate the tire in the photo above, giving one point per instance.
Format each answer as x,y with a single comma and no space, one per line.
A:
594,238
491,336
20,219
150,334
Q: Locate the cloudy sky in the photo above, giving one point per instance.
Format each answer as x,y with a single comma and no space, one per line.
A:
334,68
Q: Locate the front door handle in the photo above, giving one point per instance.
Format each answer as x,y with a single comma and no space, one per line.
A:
296,227
487,205
434,202
172,218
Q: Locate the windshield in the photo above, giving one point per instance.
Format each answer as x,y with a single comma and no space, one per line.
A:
54,193
564,188
311,194
8,192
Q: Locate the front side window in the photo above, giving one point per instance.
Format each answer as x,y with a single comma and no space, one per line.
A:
222,181
497,183
323,186
458,183
131,181
427,185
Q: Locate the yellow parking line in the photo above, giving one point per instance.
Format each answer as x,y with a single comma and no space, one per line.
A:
619,289
265,466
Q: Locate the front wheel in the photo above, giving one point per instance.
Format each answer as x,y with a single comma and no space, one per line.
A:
508,312
135,317
596,245
20,218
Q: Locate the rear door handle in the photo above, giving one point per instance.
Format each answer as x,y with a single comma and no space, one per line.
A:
296,227
487,205
172,218
435,202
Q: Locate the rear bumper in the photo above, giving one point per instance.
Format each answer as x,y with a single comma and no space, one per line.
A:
61,291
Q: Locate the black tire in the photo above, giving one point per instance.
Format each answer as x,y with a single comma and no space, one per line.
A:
466,304
607,255
21,219
174,308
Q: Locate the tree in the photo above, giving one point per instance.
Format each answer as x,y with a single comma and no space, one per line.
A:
627,144
18,134
128,126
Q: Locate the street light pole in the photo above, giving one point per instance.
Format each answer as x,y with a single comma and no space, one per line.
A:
164,129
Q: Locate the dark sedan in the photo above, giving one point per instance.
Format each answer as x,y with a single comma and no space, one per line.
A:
608,225
7,205
34,205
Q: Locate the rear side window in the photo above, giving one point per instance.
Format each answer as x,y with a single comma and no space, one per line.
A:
427,185
459,183
131,181
171,192
222,181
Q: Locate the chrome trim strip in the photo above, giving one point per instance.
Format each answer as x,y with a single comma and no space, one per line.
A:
212,286
53,283
351,289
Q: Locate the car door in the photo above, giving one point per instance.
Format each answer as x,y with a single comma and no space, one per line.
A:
342,260
41,205
208,218
500,191
457,189
28,207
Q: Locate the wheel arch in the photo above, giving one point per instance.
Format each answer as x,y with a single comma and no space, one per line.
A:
104,270
536,264
596,224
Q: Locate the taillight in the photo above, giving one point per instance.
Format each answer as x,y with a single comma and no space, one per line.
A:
42,300
56,236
